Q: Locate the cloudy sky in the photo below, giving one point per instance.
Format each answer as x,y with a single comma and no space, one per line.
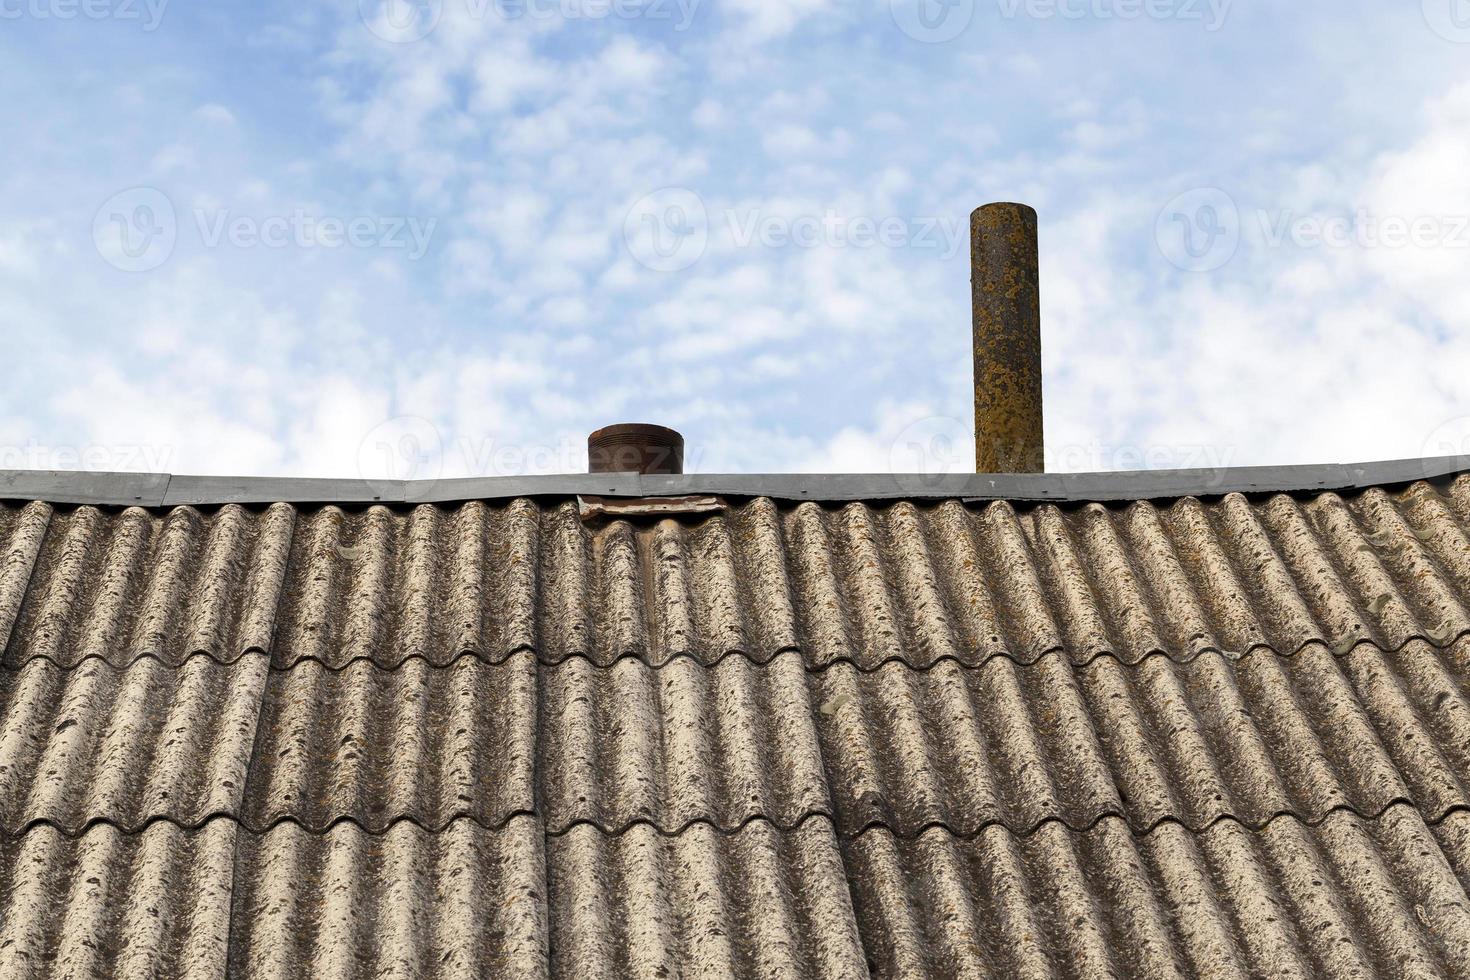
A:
450,237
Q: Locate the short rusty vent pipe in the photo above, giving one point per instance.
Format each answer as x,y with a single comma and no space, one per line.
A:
635,448
1005,294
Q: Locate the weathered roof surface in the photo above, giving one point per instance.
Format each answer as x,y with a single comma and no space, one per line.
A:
1351,896
1214,736
865,584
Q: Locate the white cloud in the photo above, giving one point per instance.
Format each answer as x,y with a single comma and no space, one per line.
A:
787,140
709,114
213,112
1428,184
763,20
628,63
175,157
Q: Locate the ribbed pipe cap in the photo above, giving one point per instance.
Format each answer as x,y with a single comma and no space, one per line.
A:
635,447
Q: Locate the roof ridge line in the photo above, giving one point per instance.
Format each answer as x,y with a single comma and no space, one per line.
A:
157,490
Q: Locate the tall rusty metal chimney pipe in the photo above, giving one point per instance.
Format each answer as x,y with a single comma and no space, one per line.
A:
635,448
1005,294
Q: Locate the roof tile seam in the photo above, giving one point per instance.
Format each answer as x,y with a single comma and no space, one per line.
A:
1020,831
286,820
237,850
784,827
756,660
239,885
539,803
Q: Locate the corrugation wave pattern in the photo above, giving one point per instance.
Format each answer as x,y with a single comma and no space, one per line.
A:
926,712
1351,897
1221,726
858,584
960,747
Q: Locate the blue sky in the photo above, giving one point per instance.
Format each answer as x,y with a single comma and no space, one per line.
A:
450,237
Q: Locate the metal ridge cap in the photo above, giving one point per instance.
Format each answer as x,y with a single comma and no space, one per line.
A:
166,490
85,487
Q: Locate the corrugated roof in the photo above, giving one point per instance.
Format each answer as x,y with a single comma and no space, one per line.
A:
1210,737
1348,897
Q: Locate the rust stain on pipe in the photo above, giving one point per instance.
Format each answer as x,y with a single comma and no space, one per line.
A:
1006,297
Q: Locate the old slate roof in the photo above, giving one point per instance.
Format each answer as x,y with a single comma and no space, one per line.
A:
1219,735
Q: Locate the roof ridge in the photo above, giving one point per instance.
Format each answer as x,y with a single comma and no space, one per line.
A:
155,490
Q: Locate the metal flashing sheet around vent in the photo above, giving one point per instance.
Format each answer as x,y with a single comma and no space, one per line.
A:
594,508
